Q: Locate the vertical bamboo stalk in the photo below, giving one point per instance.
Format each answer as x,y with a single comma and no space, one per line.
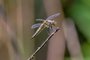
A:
56,46
11,20
20,27
7,51
25,18
72,40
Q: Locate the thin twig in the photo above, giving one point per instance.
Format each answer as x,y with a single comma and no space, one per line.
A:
39,48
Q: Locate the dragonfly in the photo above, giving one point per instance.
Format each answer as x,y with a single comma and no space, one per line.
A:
45,23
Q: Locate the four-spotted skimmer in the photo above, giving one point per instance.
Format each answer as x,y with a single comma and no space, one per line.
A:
46,23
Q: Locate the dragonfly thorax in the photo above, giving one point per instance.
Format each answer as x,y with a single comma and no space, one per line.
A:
50,22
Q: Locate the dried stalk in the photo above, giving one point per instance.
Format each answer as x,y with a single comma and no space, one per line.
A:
41,46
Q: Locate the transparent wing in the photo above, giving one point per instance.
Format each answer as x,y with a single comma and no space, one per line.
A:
53,16
39,19
36,25
52,29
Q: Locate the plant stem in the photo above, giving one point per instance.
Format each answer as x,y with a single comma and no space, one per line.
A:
39,48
